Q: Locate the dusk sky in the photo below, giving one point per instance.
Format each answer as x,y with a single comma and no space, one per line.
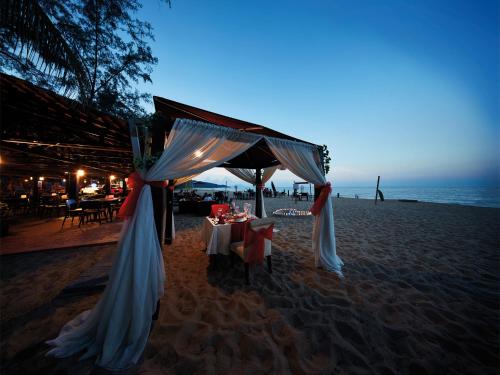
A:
408,90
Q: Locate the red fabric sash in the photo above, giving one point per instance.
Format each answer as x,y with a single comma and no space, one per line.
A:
136,183
256,239
320,202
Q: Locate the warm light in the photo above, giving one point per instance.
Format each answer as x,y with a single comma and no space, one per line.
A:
25,180
65,172
80,173
198,153
31,178
41,178
112,177
84,181
64,180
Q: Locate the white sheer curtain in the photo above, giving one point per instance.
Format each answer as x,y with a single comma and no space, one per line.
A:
248,175
117,328
267,173
178,181
302,160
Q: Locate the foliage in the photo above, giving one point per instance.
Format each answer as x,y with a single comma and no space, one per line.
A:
33,46
144,125
105,48
326,158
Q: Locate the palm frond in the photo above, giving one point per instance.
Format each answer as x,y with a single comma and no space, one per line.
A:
28,35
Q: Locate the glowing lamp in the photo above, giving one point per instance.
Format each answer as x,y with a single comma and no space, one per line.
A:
112,177
80,173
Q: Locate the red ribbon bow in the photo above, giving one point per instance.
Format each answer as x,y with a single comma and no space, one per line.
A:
256,239
136,183
323,196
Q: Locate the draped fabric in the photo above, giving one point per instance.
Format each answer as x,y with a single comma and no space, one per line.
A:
302,160
267,173
248,175
178,181
116,330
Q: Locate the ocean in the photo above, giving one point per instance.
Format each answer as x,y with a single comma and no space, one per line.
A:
470,196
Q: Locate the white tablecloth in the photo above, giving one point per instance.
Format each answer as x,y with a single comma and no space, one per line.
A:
216,237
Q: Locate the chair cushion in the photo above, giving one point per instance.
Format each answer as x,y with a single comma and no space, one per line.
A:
237,247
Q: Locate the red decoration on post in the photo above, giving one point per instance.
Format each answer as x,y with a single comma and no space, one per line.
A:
136,183
260,186
323,196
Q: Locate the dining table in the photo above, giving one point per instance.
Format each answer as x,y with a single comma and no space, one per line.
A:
101,203
218,237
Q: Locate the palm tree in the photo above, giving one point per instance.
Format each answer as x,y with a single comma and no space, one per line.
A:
30,40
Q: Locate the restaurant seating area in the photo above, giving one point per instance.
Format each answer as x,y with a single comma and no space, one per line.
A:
47,200
229,232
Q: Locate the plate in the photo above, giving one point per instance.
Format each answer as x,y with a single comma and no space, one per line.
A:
240,220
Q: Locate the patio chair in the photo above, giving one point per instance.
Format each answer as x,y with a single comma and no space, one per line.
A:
93,211
215,208
114,208
72,211
247,250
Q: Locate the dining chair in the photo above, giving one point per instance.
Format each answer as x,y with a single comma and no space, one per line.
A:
215,208
72,211
256,245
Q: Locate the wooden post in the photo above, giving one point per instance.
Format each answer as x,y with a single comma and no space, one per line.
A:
376,190
36,194
258,197
169,213
73,185
156,147
107,185
317,191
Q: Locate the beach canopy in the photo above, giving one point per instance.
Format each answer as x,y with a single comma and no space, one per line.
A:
116,330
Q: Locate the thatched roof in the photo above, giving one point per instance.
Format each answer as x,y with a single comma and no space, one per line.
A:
45,133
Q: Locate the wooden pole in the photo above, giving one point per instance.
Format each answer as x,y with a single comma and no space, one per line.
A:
317,191
36,194
170,209
258,197
376,190
107,185
155,147
73,185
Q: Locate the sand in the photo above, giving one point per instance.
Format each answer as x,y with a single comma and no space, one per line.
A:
420,295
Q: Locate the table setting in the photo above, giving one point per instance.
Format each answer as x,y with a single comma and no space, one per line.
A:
220,231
